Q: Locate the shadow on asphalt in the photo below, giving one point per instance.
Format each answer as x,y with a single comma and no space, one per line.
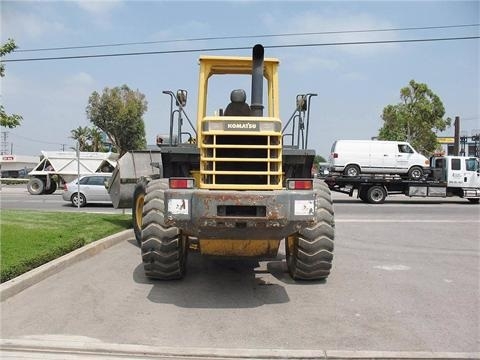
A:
212,282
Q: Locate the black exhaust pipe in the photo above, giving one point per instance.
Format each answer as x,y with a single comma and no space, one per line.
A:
257,81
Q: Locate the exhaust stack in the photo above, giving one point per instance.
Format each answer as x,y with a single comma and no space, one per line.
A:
257,81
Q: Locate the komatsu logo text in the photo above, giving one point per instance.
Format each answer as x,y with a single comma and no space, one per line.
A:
246,126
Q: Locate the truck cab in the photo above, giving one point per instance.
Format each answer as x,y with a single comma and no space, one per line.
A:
457,171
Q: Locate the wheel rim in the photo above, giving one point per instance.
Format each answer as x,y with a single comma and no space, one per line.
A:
376,195
35,185
416,173
139,210
352,171
77,200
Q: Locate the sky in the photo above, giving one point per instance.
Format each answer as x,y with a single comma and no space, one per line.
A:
353,82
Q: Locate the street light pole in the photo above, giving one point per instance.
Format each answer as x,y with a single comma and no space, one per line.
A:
78,176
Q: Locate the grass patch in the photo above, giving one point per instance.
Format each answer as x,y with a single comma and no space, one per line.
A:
29,239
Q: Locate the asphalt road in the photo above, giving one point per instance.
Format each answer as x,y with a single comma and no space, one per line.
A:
17,197
405,278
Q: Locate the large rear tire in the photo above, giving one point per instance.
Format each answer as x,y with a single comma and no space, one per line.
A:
164,248
35,186
310,251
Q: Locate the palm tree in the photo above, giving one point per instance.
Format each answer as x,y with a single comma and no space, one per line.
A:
96,139
81,135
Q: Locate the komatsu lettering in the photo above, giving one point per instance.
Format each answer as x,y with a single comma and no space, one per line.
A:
241,126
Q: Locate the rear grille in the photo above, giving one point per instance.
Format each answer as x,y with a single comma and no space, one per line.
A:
241,161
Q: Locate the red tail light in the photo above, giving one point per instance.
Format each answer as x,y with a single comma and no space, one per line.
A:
300,184
335,155
181,183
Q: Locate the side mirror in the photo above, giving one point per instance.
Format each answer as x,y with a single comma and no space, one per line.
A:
181,98
301,102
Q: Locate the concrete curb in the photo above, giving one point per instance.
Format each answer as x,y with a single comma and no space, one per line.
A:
24,281
91,349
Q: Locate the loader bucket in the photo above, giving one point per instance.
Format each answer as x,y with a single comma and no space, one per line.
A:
130,168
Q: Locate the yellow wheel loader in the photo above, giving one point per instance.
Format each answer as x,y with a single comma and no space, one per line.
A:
237,184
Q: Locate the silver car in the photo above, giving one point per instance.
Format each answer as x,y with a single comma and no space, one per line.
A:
92,189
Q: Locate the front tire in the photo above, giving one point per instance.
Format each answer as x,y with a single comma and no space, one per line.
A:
164,248
310,251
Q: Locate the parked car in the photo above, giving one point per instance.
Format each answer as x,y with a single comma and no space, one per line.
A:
92,190
353,157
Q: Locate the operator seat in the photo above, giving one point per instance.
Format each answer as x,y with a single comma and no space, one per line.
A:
238,106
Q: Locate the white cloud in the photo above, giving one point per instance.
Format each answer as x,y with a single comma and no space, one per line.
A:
181,32
60,101
315,62
334,25
98,7
354,76
100,12
80,79
28,25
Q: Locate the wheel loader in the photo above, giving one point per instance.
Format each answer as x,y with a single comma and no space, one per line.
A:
237,183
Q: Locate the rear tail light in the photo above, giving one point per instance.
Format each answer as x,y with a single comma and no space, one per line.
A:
65,187
181,183
335,155
299,184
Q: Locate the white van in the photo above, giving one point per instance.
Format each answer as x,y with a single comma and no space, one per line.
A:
353,157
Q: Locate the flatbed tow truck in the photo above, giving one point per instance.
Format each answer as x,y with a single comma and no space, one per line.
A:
447,176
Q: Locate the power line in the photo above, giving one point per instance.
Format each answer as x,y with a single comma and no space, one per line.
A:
35,140
247,37
241,48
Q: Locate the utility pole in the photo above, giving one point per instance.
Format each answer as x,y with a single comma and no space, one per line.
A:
456,143
4,143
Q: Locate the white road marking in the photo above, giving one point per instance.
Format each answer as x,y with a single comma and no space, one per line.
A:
392,267
406,221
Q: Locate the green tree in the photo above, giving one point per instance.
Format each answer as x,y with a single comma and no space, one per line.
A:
119,113
415,119
6,120
89,139
81,136
319,159
96,140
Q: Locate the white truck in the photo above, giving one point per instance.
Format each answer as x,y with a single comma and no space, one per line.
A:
447,176
58,167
